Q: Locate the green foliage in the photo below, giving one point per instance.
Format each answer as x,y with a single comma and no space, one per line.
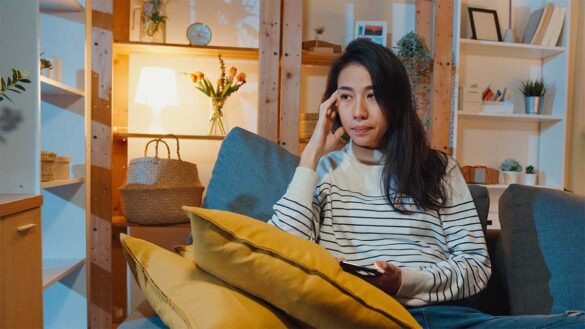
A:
13,83
46,64
416,57
530,170
530,88
152,13
510,165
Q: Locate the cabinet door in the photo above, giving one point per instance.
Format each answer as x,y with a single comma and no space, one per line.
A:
20,270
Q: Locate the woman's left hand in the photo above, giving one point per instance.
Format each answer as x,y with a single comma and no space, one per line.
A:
390,280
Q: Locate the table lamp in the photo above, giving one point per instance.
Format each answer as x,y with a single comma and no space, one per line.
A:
157,88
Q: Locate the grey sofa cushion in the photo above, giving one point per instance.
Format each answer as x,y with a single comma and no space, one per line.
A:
251,173
481,199
543,232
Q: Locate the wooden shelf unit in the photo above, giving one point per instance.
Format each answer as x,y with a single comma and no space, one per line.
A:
507,49
55,269
312,58
514,116
121,221
50,87
132,48
61,6
123,136
61,182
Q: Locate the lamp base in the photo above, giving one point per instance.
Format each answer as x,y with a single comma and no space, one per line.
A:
156,123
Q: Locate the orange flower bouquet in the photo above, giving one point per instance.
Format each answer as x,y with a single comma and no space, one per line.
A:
226,85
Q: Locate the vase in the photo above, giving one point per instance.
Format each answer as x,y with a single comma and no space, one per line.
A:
152,27
216,118
510,177
530,179
533,104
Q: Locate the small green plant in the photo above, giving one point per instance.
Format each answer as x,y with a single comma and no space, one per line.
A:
46,64
530,170
319,30
532,88
510,165
13,84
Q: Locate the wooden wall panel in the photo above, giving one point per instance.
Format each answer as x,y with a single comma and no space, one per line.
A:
290,75
268,75
442,76
424,20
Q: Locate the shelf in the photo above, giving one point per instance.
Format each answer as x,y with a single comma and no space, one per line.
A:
506,49
121,221
505,186
61,182
515,116
50,87
55,269
133,48
123,136
65,6
312,58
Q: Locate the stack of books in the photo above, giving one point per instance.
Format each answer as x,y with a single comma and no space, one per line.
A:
545,26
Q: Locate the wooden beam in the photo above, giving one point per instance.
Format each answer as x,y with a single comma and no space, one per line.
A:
268,75
424,20
290,75
442,76
100,239
121,21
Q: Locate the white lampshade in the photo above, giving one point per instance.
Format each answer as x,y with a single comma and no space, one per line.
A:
157,88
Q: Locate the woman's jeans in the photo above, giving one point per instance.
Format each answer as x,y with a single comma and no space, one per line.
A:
441,316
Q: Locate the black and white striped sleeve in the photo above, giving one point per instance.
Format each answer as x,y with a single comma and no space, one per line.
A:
298,211
467,270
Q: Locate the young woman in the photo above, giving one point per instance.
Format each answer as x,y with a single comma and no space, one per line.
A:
387,200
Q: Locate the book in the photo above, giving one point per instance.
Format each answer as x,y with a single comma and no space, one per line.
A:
557,28
532,25
542,24
550,26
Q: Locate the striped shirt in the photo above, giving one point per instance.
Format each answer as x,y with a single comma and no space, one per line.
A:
442,254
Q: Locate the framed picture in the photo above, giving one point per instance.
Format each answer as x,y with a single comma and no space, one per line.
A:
484,24
373,30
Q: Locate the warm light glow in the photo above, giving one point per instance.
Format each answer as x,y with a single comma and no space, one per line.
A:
157,88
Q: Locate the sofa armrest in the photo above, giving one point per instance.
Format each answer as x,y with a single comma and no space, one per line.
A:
542,240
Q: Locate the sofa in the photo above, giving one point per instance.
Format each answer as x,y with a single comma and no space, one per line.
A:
538,264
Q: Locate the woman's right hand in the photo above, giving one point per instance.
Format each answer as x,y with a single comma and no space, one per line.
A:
323,140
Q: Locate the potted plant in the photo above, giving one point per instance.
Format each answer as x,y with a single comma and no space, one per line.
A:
413,52
530,175
510,168
533,91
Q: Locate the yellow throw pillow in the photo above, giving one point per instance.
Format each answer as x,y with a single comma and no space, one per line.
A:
184,296
295,275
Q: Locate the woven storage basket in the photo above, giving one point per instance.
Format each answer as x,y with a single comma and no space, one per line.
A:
47,166
157,188
308,123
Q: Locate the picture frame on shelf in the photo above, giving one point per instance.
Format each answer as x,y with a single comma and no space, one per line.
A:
376,31
484,24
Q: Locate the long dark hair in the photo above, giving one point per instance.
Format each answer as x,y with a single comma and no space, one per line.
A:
411,168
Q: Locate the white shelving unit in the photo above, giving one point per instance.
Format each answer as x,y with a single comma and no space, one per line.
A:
488,138
63,113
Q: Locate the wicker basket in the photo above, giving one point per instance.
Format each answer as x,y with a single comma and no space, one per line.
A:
308,123
47,166
157,188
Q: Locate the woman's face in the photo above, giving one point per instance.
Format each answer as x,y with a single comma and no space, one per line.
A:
360,114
